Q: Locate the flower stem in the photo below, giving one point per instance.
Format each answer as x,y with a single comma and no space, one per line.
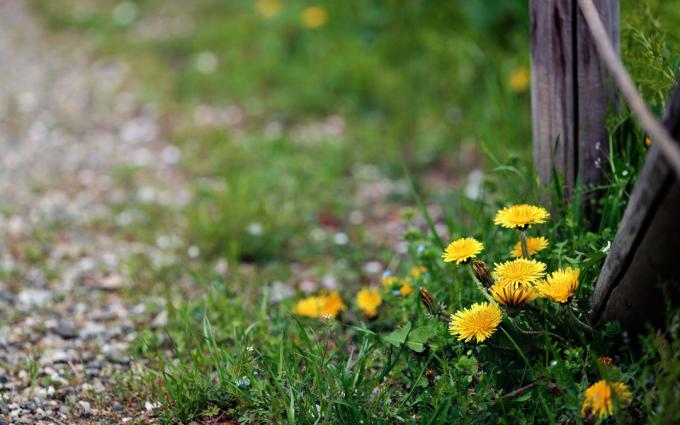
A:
579,322
519,350
523,242
479,285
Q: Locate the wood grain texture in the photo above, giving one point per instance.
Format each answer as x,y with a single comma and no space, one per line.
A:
646,249
552,88
570,94
595,98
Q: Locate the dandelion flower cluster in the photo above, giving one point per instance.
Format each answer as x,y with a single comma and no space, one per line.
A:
599,397
521,216
533,246
519,272
320,306
478,322
511,295
368,301
560,285
461,250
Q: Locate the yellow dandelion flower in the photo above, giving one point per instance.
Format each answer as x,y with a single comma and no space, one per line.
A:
417,271
560,285
332,305
405,289
308,307
368,301
320,306
269,8
389,281
519,272
462,250
478,322
598,399
533,245
648,141
519,80
314,17
511,295
521,216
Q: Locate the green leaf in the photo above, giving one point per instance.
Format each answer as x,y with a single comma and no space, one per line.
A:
419,337
398,336
524,397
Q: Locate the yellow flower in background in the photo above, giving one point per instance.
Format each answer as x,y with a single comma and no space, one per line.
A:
314,17
533,245
269,8
368,301
478,322
417,271
519,272
332,305
320,306
462,250
598,399
648,141
405,289
389,281
560,285
519,80
521,216
513,295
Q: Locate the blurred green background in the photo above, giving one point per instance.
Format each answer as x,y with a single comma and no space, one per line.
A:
285,109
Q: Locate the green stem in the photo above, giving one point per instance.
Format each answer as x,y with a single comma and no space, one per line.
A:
582,325
479,284
533,333
523,242
519,350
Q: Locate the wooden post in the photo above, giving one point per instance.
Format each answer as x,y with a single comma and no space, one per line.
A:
646,249
570,94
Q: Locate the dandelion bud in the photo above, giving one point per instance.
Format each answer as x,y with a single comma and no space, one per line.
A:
427,299
482,273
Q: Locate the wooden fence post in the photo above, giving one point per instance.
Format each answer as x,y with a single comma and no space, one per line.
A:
570,93
646,249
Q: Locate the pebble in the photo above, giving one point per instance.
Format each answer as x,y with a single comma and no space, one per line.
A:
66,330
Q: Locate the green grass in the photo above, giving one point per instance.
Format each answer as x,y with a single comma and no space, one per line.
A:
417,85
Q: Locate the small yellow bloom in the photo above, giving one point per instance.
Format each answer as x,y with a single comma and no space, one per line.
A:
405,289
519,272
417,271
320,306
314,17
648,141
389,281
560,285
513,295
519,80
368,301
269,8
598,398
521,216
478,322
462,250
533,245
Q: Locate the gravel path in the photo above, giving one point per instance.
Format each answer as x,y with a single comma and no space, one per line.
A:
67,126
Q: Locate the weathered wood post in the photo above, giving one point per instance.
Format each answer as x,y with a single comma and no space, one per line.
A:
570,94
646,250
